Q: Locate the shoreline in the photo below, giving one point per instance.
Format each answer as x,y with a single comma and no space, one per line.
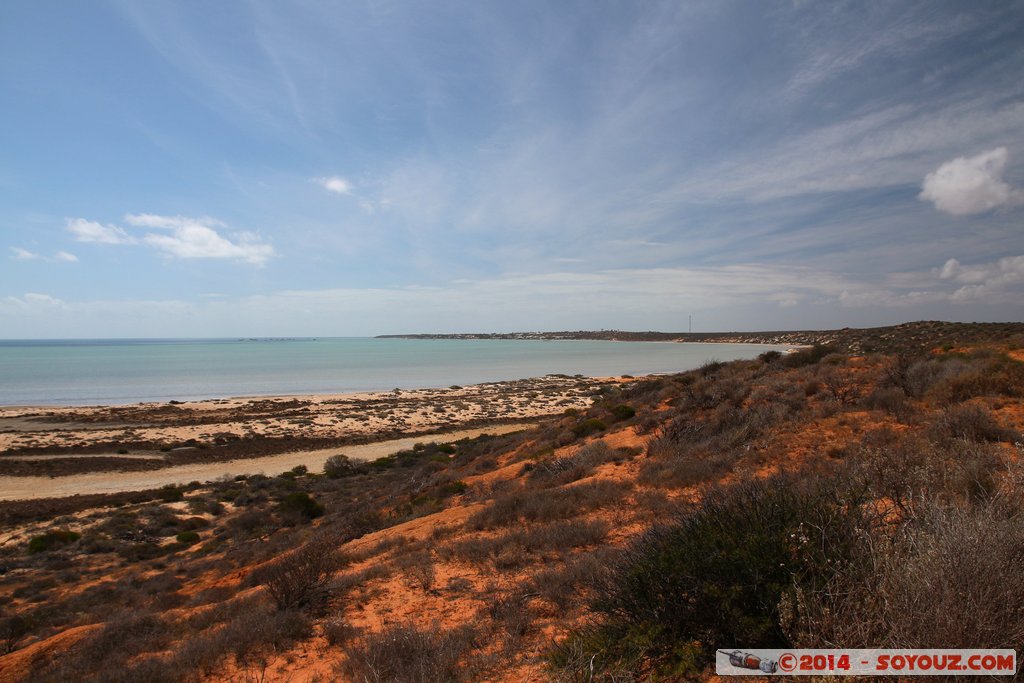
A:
67,441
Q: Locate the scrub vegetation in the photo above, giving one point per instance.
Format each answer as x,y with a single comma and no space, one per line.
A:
823,498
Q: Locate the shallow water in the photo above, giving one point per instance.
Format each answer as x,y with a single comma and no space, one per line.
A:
112,372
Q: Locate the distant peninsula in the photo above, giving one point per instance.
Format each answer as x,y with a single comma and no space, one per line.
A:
855,340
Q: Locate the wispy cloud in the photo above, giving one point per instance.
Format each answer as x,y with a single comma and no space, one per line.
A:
91,231
20,254
65,257
189,238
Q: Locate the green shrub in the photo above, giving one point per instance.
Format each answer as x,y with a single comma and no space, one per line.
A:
187,537
717,575
55,538
805,357
454,488
588,427
623,412
300,503
170,494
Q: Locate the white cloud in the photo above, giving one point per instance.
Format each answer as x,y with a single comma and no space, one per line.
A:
23,254
969,185
985,282
149,220
189,238
91,231
335,184
30,302
26,255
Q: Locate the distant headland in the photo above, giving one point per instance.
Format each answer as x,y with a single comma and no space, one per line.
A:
855,340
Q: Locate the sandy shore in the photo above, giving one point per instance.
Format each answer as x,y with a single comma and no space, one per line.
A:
60,451
30,488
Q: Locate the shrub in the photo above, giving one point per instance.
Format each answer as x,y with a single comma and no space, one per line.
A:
251,521
685,469
588,427
299,579
187,537
562,585
948,577
337,631
570,468
405,654
514,548
623,412
890,399
338,466
538,505
299,504
55,538
170,493
806,357
419,569
511,613
907,470
453,488
13,627
718,573
971,422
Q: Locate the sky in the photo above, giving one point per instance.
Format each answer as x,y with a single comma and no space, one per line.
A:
187,169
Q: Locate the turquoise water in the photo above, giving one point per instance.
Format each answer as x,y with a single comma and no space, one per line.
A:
128,371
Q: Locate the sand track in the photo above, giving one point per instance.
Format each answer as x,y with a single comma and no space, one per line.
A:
29,488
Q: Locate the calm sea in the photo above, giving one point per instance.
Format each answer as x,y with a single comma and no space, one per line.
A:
90,372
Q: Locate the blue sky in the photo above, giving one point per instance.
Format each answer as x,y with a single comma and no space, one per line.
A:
305,168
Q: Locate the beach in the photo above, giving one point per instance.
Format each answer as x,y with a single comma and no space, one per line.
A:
59,451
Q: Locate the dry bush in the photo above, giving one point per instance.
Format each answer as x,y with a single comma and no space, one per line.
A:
13,627
539,505
949,578
724,428
687,469
563,470
418,569
300,578
337,631
908,470
563,586
251,634
987,374
403,653
514,548
972,422
512,614
890,399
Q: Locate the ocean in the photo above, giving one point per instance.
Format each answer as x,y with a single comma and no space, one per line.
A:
115,372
